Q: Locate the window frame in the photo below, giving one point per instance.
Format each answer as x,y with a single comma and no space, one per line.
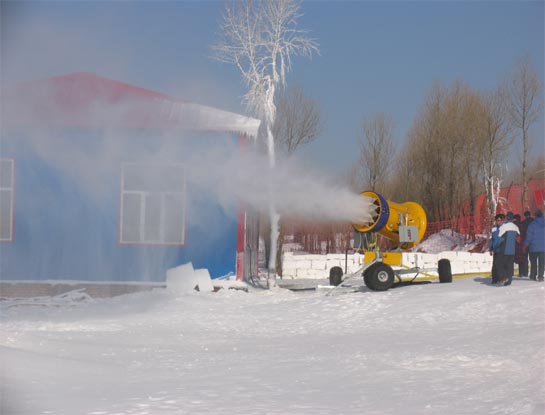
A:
142,205
11,190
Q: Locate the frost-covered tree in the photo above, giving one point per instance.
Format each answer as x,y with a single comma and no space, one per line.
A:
493,178
260,38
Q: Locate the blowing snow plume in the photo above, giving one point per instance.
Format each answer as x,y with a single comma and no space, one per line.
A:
295,189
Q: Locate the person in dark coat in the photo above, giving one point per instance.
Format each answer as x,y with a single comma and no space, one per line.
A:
494,245
507,233
523,258
535,241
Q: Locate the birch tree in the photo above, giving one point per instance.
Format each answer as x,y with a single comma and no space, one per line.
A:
260,38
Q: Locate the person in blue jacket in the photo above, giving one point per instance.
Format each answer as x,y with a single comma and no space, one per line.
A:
535,241
507,233
494,245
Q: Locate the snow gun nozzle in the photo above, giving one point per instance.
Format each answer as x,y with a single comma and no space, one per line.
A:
388,217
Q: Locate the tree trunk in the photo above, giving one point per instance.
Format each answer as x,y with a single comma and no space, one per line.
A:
525,205
279,250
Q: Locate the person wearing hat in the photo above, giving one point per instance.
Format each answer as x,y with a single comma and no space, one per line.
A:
535,241
507,233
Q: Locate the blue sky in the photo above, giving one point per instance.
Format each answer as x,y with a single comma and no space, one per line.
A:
375,56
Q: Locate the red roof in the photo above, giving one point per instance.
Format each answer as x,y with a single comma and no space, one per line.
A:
87,100
80,88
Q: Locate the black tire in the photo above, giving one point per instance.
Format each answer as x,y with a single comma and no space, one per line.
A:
444,270
335,276
380,277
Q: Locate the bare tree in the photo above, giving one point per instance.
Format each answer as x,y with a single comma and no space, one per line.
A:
423,155
458,144
260,38
443,151
525,109
297,122
460,139
377,151
402,182
496,141
476,132
298,119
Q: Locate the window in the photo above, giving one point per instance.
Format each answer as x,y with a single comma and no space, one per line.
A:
7,172
152,204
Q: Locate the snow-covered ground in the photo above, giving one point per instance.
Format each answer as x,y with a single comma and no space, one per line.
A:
460,348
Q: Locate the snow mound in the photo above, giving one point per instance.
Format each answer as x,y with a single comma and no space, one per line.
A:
67,299
448,240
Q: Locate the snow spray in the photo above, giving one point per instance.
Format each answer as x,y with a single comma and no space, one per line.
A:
296,189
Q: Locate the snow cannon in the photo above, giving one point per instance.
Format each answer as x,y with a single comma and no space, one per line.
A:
402,223
405,225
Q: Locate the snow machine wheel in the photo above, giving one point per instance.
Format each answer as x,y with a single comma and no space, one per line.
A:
335,276
444,270
380,277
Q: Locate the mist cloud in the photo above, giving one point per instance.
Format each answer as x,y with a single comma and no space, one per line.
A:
294,188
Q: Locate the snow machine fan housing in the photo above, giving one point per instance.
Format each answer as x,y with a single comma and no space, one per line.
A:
396,221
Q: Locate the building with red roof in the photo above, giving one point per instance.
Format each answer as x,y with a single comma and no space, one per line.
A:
95,183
